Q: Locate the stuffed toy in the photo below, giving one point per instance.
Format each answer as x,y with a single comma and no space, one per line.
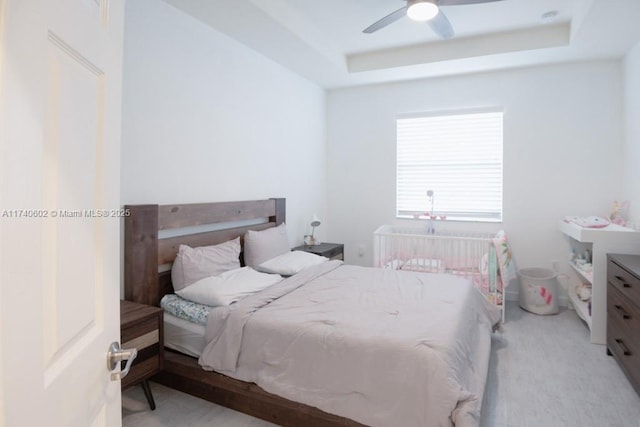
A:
618,213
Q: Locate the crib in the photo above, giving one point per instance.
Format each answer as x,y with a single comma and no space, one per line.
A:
471,255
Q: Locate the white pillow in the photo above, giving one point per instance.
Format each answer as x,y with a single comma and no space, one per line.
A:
291,263
228,287
260,246
193,264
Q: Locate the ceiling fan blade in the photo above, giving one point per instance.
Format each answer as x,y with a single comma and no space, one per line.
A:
463,2
389,19
441,26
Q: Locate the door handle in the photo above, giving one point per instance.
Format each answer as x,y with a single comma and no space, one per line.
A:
117,355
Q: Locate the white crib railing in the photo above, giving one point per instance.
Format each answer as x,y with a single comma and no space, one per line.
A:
471,255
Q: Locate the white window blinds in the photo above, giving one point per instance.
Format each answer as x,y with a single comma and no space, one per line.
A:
459,158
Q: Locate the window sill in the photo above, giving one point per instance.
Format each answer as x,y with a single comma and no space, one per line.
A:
451,219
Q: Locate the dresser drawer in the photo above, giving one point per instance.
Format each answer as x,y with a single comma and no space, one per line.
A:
335,253
147,364
624,281
624,314
145,332
626,352
623,328
329,250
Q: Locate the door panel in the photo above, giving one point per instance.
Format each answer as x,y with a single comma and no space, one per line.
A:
73,140
60,81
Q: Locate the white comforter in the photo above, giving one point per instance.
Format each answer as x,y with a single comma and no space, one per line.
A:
382,347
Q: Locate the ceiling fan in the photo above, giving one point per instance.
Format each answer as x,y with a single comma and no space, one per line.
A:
426,11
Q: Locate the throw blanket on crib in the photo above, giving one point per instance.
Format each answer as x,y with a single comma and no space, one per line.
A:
506,263
381,347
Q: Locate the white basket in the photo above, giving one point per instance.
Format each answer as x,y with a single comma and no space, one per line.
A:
538,290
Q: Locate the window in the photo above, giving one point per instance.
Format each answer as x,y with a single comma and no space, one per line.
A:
458,157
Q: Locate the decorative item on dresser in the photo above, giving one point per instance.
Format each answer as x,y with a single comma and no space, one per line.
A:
329,250
141,327
623,314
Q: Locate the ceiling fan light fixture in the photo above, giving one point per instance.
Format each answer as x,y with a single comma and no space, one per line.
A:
422,10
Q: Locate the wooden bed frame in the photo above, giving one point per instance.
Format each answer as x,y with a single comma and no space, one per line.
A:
144,255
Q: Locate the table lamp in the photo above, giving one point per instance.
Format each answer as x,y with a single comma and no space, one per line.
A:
311,239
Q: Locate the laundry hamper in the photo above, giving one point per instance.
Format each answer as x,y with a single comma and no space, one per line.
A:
538,290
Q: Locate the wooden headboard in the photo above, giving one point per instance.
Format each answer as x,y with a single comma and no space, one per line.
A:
145,252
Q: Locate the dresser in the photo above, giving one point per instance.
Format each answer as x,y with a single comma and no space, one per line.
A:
141,327
623,314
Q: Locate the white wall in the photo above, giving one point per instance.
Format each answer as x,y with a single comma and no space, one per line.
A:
207,119
562,151
632,133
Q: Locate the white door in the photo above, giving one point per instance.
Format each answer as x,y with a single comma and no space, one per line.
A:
60,84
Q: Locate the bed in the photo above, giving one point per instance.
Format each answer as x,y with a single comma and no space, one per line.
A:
332,345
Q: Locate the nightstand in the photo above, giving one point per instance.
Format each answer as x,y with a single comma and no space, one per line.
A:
141,327
329,250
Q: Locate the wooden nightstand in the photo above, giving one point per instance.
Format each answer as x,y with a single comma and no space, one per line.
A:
329,250
141,327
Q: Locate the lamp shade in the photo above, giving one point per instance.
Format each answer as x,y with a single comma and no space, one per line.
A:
315,222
